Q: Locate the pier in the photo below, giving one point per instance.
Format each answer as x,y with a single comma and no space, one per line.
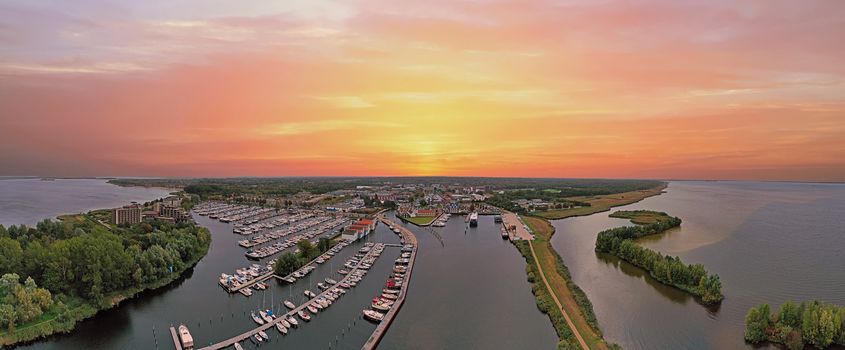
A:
515,227
176,342
244,336
378,333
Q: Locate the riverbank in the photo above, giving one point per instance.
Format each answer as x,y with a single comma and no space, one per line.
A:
67,309
600,203
569,308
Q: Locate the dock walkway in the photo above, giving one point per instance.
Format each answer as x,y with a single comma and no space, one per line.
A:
378,333
244,336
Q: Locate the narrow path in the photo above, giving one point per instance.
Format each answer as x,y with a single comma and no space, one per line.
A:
559,305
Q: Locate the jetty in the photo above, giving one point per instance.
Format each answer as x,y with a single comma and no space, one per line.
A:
378,333
245,335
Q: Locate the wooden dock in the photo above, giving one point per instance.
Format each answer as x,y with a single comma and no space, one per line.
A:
176,342
378,333
244,336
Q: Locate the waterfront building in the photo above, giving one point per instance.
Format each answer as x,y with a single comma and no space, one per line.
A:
130,214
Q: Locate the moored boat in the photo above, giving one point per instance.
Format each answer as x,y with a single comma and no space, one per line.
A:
374,316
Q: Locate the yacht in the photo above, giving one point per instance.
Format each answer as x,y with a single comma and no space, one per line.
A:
373,315
257,319
281,328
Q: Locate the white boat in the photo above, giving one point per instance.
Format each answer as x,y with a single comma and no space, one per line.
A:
238,346
290,305
265,316
293,321
285,323
330,281
258,338
304,316
310,294
185,337
373,315
281,328
257,319
380,307
263,335
312,309
389,296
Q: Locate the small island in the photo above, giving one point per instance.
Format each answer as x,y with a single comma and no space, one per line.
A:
619,241
60,272
794,326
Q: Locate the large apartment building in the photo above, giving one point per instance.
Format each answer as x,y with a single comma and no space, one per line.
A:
130,214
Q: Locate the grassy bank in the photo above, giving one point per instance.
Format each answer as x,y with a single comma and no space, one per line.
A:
419,220
573,300
600,203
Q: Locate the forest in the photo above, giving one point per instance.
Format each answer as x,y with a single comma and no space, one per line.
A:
78,262
692,278
794,326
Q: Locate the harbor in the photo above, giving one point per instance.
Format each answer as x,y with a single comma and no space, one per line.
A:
410,241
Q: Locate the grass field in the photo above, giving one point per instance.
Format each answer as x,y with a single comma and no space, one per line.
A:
420,220
573,300
600,203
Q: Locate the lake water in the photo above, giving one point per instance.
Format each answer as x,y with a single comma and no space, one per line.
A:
27,201
769,242
470,293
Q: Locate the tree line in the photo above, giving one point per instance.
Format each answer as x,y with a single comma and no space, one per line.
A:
810,323
692,278
77,259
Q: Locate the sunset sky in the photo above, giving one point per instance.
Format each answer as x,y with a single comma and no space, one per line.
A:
584,88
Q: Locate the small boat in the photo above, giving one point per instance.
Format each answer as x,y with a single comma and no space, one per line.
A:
258,338
342,271
373,315
322,286
312,309
257,319
290,305
330,281
390,291
265,316
281,328
389,296
310,294
263,335
293,321
238,346
285,323
380,307
304,316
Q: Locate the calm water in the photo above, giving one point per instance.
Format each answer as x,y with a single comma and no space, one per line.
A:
469,294
27,201
768,242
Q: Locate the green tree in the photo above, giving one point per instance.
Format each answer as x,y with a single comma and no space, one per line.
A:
8,317
756,322
11,255
788,314
306,249
286,264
